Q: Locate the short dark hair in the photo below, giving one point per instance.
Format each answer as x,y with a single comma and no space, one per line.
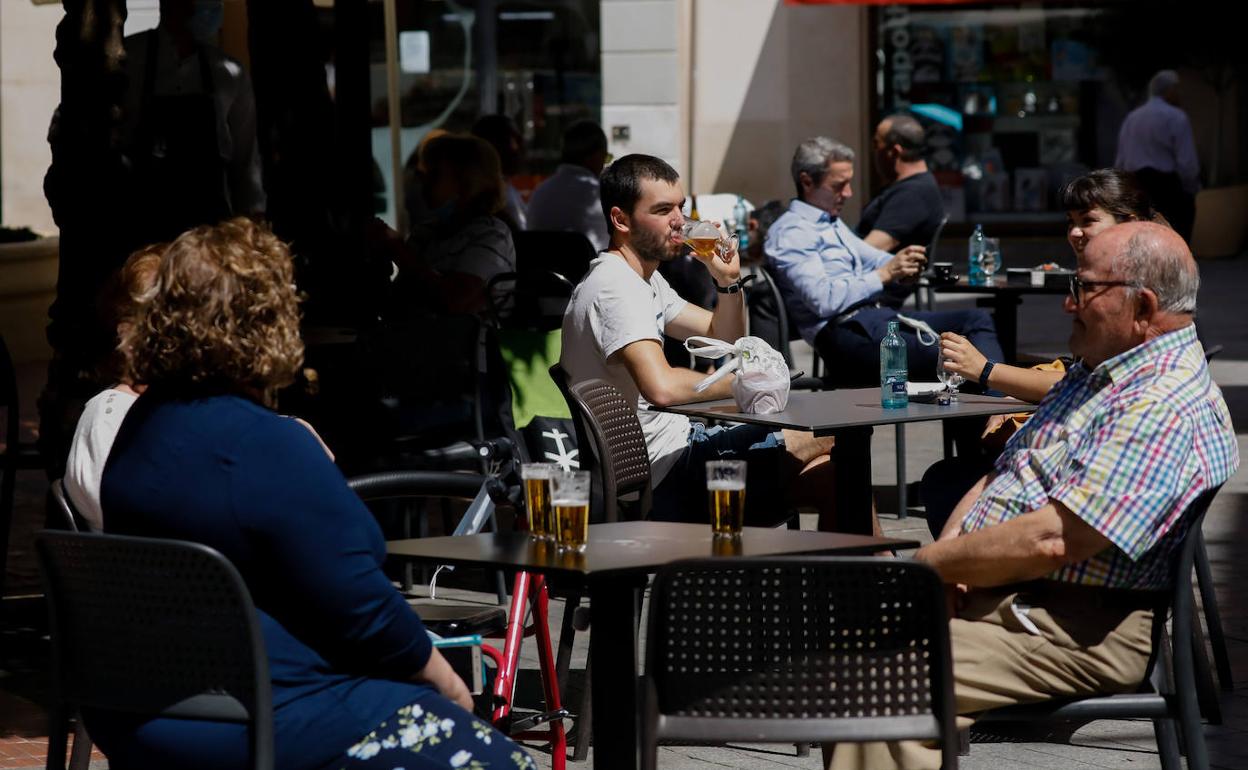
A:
766,216
1116,191
621,181
582,141
495,129
906,132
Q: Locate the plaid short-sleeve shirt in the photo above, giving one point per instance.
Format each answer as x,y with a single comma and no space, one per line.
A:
1127,447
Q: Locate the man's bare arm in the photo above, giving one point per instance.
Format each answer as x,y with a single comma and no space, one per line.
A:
953,524
726,323
1024,548
882,240
659,382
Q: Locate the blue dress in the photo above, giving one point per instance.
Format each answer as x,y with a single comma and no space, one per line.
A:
342,643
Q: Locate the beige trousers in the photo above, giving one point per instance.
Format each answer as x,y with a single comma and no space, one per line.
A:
1011,647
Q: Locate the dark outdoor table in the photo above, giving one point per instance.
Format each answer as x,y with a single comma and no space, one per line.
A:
1004,299
849,415
612,568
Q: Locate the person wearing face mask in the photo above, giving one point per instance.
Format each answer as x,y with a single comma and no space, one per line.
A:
189,125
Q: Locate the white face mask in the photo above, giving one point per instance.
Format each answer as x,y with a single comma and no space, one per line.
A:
206,20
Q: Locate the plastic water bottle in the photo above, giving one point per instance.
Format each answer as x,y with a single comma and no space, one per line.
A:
975,247
893,370
742,219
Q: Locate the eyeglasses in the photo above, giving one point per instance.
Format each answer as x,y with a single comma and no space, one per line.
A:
1078,287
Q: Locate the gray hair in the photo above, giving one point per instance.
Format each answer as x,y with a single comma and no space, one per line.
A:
1148,261
1162,82
812,158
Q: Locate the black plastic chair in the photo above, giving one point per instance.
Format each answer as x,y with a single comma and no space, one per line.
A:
613,449
924,295
453,619
71,520
1169,694
154,627
534,300
412,490
17,455
781,650
565,253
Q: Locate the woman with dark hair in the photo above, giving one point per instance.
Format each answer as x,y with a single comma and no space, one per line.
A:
200,457
460,242
1094,202
102,416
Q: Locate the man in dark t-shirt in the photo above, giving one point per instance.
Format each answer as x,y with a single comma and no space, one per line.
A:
909,210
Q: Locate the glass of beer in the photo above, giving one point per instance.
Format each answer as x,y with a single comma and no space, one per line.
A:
725,495
706,240
536,477
570,500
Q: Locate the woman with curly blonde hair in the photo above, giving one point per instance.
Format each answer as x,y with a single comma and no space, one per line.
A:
200,457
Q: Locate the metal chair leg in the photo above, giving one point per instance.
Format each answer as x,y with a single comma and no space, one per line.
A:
902,502
1213,618
80,754
1206,689
1167,744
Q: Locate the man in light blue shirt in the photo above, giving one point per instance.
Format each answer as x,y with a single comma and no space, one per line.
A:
1157,145
831,279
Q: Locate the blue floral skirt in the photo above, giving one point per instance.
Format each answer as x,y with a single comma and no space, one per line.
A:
435,734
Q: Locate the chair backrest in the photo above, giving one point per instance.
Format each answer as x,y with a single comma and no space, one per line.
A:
403,484
565,253
935,241
798,649
155,627
533,300
608,425
69,517
769,319
8,396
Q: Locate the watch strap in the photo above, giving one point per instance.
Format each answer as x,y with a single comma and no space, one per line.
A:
987,370
736,287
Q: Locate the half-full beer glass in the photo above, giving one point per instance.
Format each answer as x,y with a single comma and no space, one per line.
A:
725,496
536,477
706,240
570,495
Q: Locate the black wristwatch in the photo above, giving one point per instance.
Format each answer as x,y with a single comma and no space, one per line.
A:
983,375
736,287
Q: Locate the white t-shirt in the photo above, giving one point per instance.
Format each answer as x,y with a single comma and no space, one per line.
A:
93,440
570,200
611,308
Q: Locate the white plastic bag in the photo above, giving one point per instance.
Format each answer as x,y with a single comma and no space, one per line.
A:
762,382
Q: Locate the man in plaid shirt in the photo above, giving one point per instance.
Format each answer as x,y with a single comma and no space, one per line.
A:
1063,546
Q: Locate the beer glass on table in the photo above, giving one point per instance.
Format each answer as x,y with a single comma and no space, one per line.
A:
725,495
570,503
706,240
536,477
